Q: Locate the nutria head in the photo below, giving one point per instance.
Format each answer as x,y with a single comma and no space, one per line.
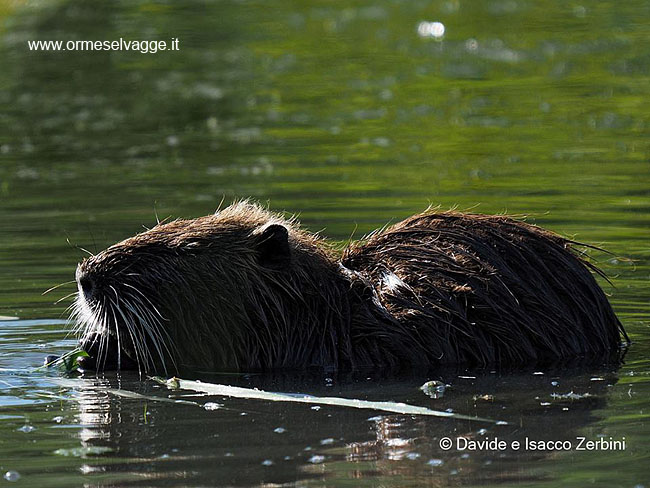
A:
242,289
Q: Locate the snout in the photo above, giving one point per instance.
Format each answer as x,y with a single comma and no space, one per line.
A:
119,325
86,283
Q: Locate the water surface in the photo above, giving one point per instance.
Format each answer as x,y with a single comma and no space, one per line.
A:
343,113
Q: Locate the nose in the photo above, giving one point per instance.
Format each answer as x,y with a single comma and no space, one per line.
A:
86,284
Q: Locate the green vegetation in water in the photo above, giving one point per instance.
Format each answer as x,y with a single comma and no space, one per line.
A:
434,389
68,363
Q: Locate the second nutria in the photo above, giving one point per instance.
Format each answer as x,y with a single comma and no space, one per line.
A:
244,289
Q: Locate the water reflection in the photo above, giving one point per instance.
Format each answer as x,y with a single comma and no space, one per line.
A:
154,433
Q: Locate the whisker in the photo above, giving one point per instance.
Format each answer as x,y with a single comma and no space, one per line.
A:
57,286
149,330
154,328
65,297
78,247
130,332
146,298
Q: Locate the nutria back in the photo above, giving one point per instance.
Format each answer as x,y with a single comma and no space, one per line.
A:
484,289
245,289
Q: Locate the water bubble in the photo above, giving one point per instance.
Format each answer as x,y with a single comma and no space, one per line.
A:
212,406
431,29
267,462
327,441
471,44
435,462
27,428
316,459
12,476
279,430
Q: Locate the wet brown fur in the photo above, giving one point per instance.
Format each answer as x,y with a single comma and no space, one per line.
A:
438,287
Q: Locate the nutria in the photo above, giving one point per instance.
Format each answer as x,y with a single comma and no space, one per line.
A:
245,289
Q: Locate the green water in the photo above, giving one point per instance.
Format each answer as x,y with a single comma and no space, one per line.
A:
342,113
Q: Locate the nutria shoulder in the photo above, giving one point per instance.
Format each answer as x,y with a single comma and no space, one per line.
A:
245,289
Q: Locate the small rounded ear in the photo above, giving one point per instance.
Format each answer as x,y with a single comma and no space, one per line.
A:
273,246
